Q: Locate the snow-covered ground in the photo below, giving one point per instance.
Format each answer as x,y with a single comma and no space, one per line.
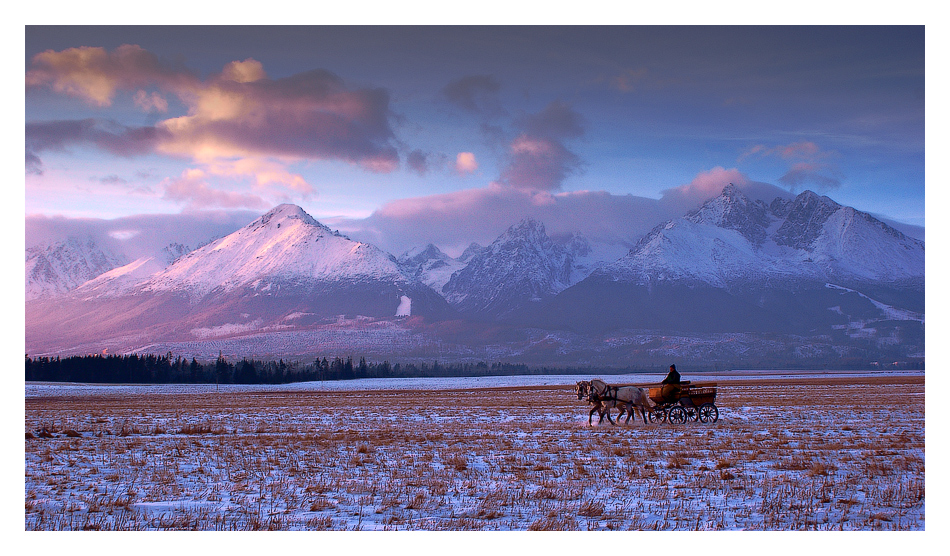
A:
45,389
836,451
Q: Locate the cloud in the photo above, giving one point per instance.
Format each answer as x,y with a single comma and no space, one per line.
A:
453,220
192,191
418,161
475,93
311,115
557,121
95,75
113,179
629,79
800,175
238,113
141,235
34,166
465,163
537,157
153,102
809,164
263,172
105,134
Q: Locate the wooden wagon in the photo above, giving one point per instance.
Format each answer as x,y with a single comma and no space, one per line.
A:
692,402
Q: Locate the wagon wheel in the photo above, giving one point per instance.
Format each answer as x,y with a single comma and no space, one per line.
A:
677,415
708,413
657,415
691,413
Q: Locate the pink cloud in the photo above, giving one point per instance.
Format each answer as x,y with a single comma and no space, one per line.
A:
237,113
192,191
465,163
153,102
93,74
453,220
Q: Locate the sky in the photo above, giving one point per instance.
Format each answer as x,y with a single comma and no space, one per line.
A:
406,135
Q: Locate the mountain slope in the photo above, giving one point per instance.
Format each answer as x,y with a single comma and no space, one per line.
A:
733,242
57,268
738,265
283,270
522,266
431,266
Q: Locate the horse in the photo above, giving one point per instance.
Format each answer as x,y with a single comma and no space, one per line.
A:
629,398
602,407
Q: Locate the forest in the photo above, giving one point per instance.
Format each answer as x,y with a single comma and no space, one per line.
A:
168,369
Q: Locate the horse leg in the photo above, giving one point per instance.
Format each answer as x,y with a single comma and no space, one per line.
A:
625,408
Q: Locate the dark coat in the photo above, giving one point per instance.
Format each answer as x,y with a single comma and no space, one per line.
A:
672,378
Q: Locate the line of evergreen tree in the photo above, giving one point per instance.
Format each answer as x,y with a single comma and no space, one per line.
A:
166,369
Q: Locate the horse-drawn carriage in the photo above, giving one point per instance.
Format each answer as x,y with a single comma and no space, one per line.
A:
676,403
685,402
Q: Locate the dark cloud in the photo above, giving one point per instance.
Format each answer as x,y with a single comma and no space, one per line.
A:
803,174
110,136
557,121
239,112
810,164
475,93
113,179
34,165
418,161
537,157
308,115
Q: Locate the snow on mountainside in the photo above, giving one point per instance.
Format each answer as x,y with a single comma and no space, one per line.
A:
57,268
732,240
523,265
284,246
430,266
122,280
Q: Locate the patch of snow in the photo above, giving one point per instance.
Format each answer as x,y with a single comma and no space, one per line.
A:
405,307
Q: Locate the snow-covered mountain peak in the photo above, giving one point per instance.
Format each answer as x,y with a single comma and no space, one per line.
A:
731,240
470,251
732,210
528,230
285,245
419,255
56,268
523,265
429,265
284,212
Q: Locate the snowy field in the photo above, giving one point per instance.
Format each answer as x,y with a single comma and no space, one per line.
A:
796,451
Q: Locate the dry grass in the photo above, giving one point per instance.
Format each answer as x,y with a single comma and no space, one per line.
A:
782,456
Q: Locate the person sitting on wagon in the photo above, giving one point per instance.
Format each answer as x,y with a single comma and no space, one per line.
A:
671,386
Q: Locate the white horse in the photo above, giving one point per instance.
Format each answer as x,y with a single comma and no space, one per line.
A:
629,398
601,407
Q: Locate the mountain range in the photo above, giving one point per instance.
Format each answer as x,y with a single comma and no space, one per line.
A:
806,267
